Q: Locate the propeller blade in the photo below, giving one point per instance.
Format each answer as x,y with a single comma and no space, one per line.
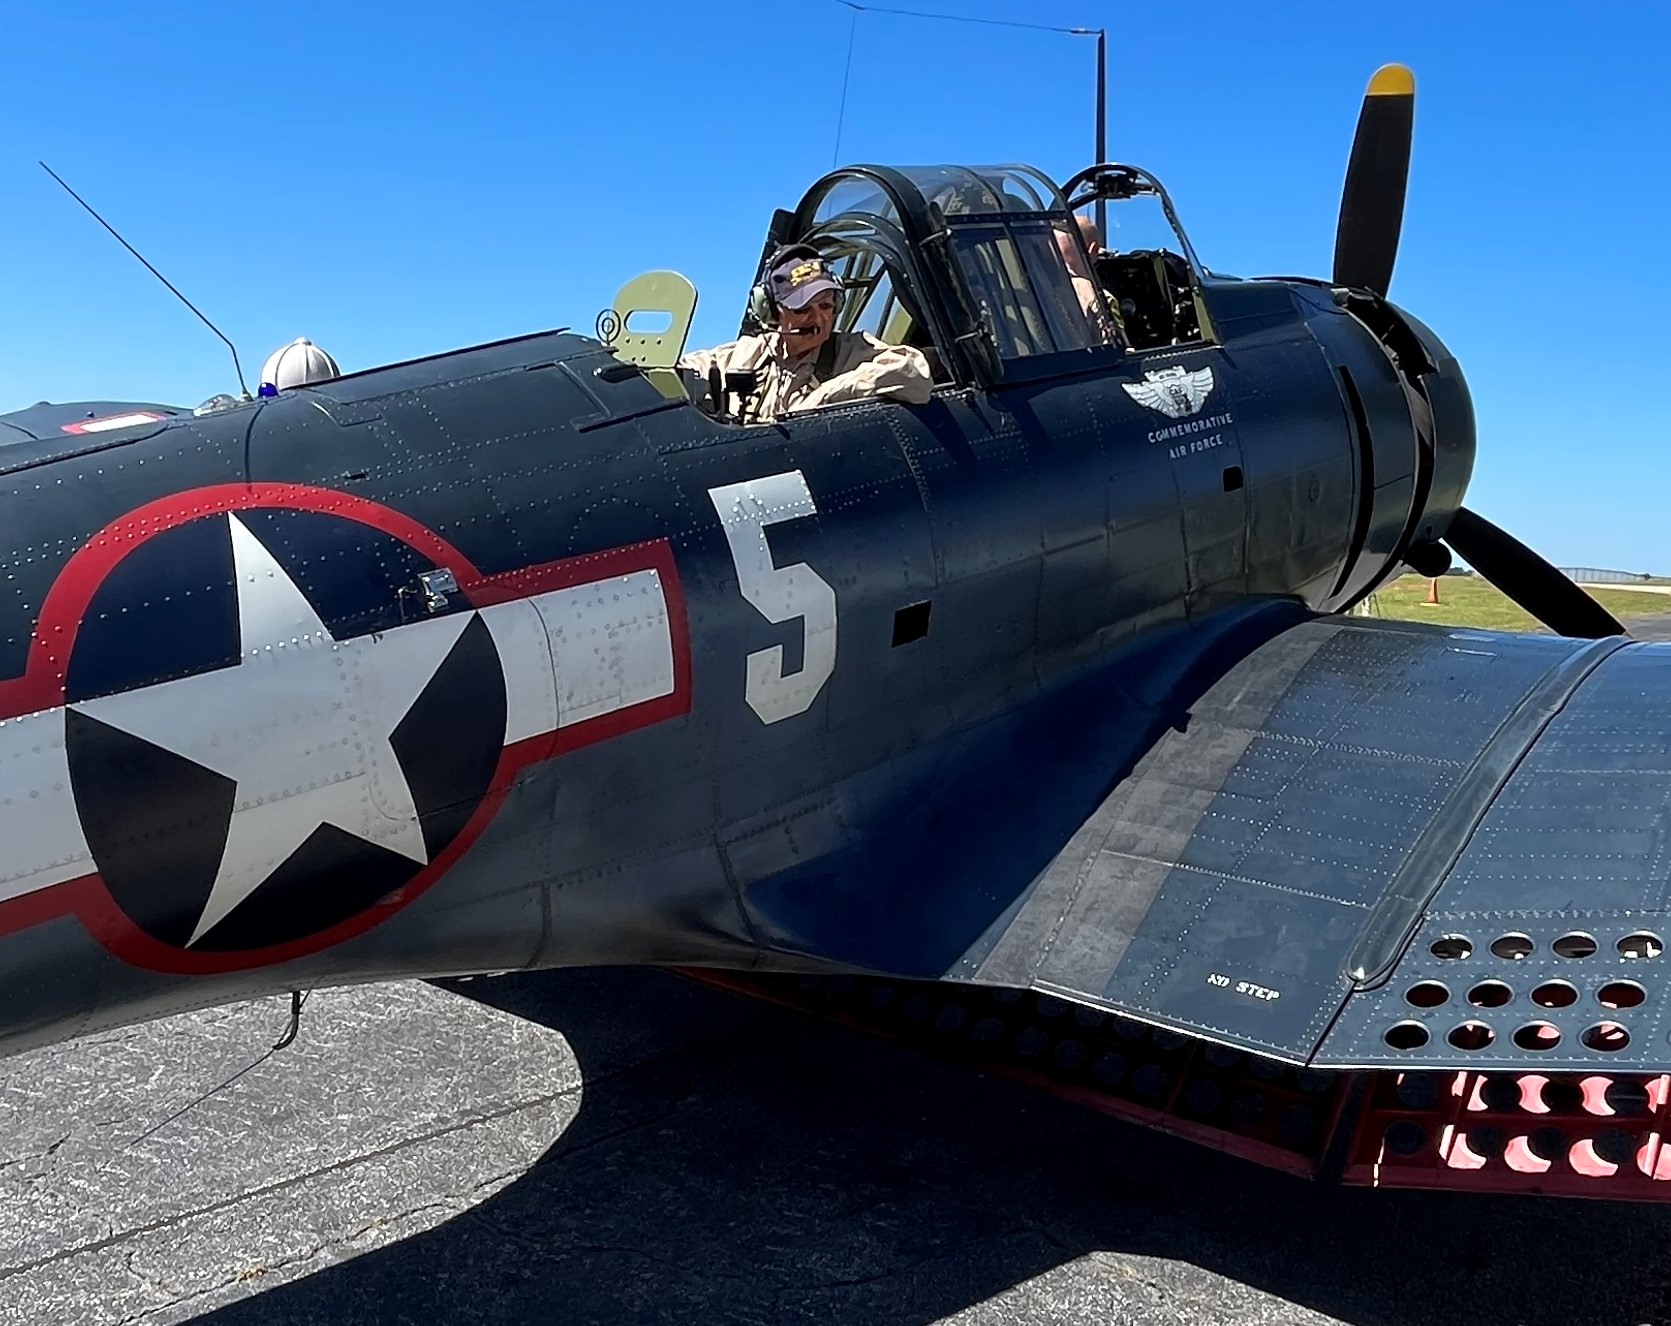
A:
1523,576
1372,201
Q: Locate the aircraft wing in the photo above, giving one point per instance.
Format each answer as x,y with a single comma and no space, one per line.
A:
1380,844
46,420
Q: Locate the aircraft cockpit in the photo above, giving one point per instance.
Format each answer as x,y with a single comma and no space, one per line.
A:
964,263
982,269
1147,265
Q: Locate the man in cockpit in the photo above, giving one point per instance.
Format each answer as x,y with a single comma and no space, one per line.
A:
1084,287
804,362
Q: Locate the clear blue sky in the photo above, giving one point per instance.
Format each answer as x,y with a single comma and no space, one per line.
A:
398,179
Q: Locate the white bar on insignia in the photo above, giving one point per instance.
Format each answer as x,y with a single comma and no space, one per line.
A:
611,643
111,421
525,654
39,828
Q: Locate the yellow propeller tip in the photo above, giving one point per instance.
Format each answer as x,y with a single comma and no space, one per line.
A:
1392,80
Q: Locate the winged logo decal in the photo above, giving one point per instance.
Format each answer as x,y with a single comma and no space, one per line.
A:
1175,392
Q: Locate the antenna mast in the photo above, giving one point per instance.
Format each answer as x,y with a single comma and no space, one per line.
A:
1101,34
236,366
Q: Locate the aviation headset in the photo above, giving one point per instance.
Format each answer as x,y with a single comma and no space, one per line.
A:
762,307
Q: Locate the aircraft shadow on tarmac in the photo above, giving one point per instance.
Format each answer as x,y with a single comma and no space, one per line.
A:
736,1162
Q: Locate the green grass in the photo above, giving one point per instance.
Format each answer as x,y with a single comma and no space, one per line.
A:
1470,601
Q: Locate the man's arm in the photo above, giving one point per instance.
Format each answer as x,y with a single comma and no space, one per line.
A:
1104,330
733,357
700,361
897,372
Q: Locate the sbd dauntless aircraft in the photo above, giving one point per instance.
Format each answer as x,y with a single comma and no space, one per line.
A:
515,657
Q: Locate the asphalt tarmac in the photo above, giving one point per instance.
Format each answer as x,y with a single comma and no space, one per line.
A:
1650,626
629,1147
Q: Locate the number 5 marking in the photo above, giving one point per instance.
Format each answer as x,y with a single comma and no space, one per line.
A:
778,593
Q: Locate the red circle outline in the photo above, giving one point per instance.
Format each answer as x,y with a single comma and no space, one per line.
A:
42,687
66,603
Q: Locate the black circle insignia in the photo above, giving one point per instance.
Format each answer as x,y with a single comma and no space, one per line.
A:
158,823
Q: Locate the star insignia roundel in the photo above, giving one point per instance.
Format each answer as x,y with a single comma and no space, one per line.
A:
265,737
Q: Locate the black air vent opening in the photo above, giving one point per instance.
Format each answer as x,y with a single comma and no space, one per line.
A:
911,623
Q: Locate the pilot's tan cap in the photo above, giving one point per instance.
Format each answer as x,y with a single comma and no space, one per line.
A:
796,281
297,364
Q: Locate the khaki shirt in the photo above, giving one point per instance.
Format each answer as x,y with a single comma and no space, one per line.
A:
862,366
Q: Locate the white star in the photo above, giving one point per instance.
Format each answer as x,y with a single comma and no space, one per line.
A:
302,723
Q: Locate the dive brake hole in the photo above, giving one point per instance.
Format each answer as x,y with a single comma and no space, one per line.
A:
1608,1037
1513,948
1621,994
1490,994
1555,994
1426,994
1406,1036
1537,1036
1575,945
1471,1036
1640,945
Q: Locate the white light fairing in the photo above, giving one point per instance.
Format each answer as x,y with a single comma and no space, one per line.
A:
519,634
581,652
110,422
303,722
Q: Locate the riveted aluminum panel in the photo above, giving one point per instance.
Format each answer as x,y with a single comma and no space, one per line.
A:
1543,946
1223,887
